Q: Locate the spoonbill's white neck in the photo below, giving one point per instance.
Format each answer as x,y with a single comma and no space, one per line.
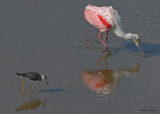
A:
119,32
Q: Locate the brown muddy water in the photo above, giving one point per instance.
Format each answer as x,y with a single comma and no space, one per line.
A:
52,37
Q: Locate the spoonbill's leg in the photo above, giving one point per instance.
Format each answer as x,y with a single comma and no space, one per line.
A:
102,40
107,48
106,37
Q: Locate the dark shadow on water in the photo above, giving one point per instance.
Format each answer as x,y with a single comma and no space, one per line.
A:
152,49
52,90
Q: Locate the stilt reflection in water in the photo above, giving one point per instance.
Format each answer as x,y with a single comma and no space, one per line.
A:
105,80
31,105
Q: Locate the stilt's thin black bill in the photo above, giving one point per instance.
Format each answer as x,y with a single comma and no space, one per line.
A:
47,83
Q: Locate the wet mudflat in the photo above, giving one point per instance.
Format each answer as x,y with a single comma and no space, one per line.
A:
53,38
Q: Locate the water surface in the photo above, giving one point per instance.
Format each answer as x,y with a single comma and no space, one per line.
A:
53,38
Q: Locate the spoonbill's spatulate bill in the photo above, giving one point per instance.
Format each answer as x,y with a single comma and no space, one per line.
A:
106,19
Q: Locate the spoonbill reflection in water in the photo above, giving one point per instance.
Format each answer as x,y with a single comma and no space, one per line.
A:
105,80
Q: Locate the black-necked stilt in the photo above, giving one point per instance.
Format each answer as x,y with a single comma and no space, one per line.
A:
32,76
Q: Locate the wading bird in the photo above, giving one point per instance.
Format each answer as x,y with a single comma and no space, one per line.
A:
106,19
32,76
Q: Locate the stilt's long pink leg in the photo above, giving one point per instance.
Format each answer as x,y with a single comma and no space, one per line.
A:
102,40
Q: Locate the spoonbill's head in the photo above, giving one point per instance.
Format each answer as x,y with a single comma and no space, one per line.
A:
138,43
44,78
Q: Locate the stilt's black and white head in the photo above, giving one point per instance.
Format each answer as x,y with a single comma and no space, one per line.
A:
44,78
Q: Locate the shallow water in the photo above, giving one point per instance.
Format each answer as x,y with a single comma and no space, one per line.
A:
53,38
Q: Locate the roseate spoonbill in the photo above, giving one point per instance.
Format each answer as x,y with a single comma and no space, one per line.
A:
106,19
32,76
